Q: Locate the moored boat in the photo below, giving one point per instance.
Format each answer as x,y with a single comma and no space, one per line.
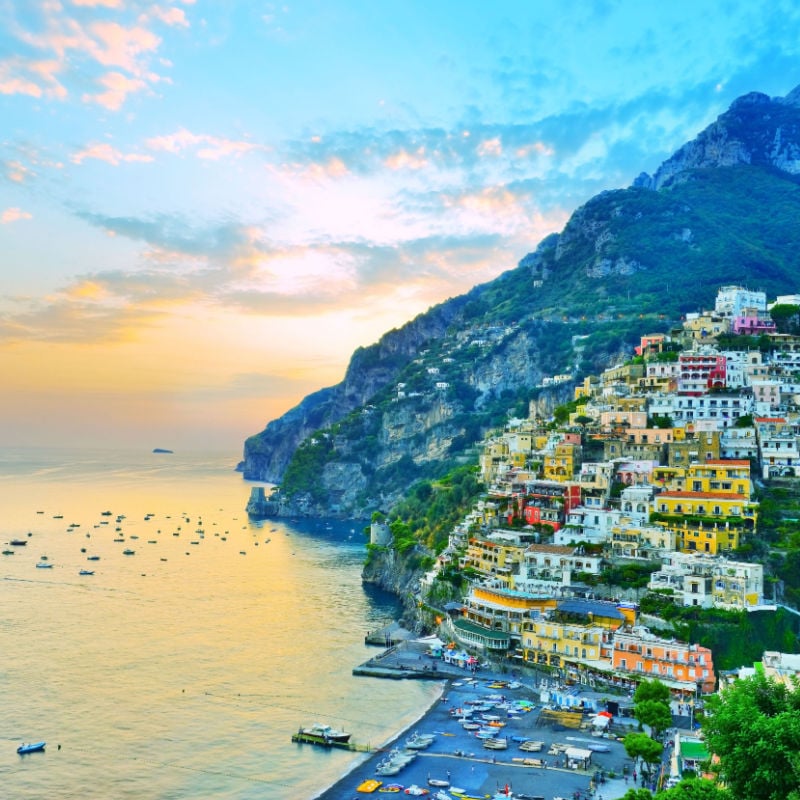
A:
31,748
325,733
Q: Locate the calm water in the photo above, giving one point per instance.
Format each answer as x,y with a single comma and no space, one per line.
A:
180,671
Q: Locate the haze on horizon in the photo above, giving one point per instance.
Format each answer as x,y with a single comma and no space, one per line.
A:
206,207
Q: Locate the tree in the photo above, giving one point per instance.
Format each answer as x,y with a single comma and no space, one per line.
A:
637,794
786,317
655,714
639,746
651,690
696,789
753,727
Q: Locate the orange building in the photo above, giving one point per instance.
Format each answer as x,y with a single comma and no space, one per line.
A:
679,665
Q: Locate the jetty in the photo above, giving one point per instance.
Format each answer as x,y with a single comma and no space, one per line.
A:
305,738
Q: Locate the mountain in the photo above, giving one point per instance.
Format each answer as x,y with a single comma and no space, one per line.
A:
724,209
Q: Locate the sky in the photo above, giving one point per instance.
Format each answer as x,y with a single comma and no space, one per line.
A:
207,205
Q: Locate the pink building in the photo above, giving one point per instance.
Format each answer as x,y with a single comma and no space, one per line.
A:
753,326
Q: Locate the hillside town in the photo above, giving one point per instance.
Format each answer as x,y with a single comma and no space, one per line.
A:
655,463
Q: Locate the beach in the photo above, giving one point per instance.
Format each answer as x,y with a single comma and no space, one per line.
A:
458,758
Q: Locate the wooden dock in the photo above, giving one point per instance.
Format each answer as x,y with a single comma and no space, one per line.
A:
305,738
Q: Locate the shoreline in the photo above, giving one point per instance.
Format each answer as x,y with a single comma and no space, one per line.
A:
570,760
332,793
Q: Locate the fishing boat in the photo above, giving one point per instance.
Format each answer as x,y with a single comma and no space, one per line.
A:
31,748
44,565
18,542
495,744
86,572
325,733
128,552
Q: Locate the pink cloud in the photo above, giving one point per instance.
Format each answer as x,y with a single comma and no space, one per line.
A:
118,46
169,16
210,148
117,89
13,215
31,77
405,160
16,172
97,3
105,152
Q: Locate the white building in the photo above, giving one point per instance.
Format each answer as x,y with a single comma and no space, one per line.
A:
696,579
736,301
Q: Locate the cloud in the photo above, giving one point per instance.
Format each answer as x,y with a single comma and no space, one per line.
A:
17,172
86,46
97,3
13,215
117,87
204,146
169,16
31,77
105,152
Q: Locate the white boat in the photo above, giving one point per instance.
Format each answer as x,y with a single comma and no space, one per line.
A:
326,733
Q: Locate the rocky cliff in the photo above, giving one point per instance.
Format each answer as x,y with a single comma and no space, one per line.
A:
723,209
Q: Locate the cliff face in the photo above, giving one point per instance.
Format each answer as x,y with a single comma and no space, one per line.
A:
756,129
723,209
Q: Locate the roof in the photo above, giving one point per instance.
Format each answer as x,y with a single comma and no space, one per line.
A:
551,548
707,495
595,607
694,750
471,627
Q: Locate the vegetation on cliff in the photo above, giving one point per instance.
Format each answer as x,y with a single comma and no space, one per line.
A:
628,262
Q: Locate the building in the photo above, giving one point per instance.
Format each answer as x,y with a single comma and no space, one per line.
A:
695,579
640,655
701,370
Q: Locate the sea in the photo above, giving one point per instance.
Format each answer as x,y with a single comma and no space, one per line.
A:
182,668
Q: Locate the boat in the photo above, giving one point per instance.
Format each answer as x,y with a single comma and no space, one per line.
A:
416,791
325,733
128,552
92,558
495,744
391,788
531,746
419,741
18,542
44,565
86,572
368,786
37,747
441,783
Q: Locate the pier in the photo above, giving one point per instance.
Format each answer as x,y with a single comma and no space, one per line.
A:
306,738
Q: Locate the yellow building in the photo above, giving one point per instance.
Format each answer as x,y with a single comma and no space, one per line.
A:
576,637
506,610
493,558
562,462
720,475
706,522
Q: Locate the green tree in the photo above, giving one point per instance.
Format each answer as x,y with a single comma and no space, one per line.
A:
651,690
696,789
640,747
637,794
753,727
655,714
786,317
